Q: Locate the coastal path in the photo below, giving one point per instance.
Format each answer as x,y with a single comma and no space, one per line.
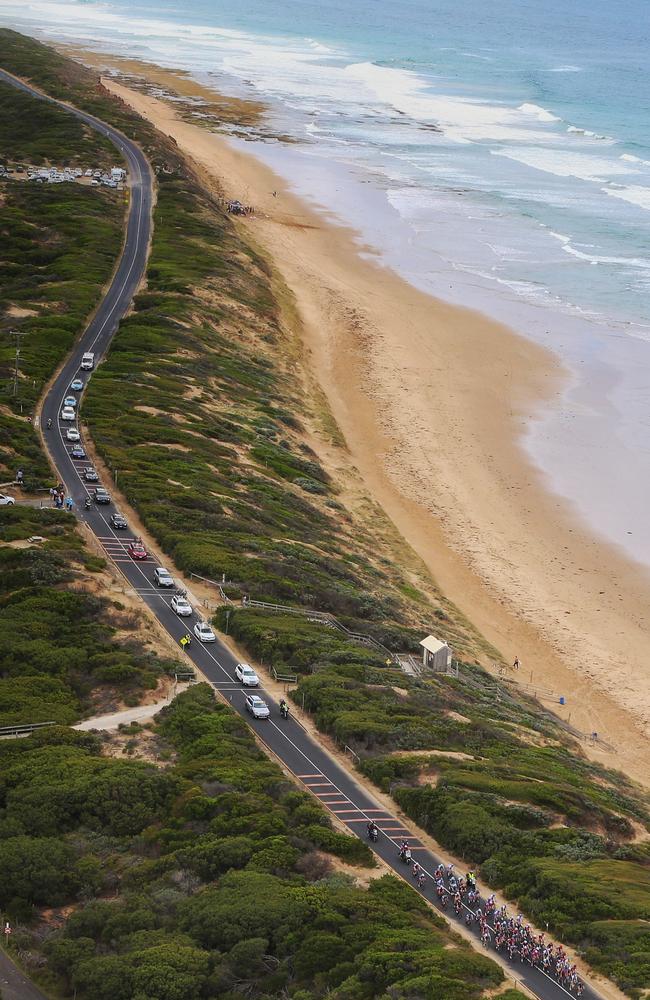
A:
300,754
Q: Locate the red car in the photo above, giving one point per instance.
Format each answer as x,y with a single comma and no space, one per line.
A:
137,550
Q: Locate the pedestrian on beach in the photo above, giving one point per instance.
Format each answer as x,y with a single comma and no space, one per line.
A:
517,663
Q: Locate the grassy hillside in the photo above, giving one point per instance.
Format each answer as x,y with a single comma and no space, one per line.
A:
58,245
205,878
502,786
212,450
35,132
133,865
70,649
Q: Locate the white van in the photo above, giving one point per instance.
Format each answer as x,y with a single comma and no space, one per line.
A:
88,361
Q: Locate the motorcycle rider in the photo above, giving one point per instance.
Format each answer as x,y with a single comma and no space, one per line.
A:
372,830
284,709
405,853
49,423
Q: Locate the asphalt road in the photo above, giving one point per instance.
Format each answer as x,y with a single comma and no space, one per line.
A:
299,753
14,985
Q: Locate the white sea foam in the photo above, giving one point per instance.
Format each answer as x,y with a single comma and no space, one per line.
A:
566,163
541,114
461,119
635,159
475,55
631,262
634,195
565,69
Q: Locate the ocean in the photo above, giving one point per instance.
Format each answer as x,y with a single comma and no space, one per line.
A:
497,155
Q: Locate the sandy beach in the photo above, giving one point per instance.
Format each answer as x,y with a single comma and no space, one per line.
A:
431,400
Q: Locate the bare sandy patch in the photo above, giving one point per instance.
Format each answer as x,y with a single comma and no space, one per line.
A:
19,312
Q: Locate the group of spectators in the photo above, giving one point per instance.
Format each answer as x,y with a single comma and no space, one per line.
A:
59,499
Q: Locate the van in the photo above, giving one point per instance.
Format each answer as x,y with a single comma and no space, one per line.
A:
88,361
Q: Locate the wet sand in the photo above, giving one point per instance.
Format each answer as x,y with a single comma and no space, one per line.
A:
432,400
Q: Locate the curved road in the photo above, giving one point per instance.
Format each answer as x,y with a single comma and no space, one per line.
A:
299,753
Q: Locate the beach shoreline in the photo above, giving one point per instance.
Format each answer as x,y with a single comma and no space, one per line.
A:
432,401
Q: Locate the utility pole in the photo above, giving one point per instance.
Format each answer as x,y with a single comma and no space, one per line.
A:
17,335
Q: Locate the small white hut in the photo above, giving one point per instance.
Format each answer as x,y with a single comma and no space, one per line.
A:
436,655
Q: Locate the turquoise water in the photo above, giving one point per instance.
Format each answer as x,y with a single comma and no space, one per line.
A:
496,154
543,111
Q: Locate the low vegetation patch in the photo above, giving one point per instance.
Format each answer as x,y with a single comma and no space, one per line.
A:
554,832
202,879
69,651
59,243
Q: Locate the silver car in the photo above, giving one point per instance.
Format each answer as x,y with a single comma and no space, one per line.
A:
257,708
162,577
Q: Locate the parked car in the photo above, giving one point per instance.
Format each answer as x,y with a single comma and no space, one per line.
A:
118,521
137,550
257,707
77,452
67,413
101,495
246,675
77,385
70,401
162,577
203,632
6,500
90,475
72,434
181,606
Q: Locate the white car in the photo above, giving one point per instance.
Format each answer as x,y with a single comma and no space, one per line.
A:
258,708
67,413
181,606
203,632
72,434
6,500
246,675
